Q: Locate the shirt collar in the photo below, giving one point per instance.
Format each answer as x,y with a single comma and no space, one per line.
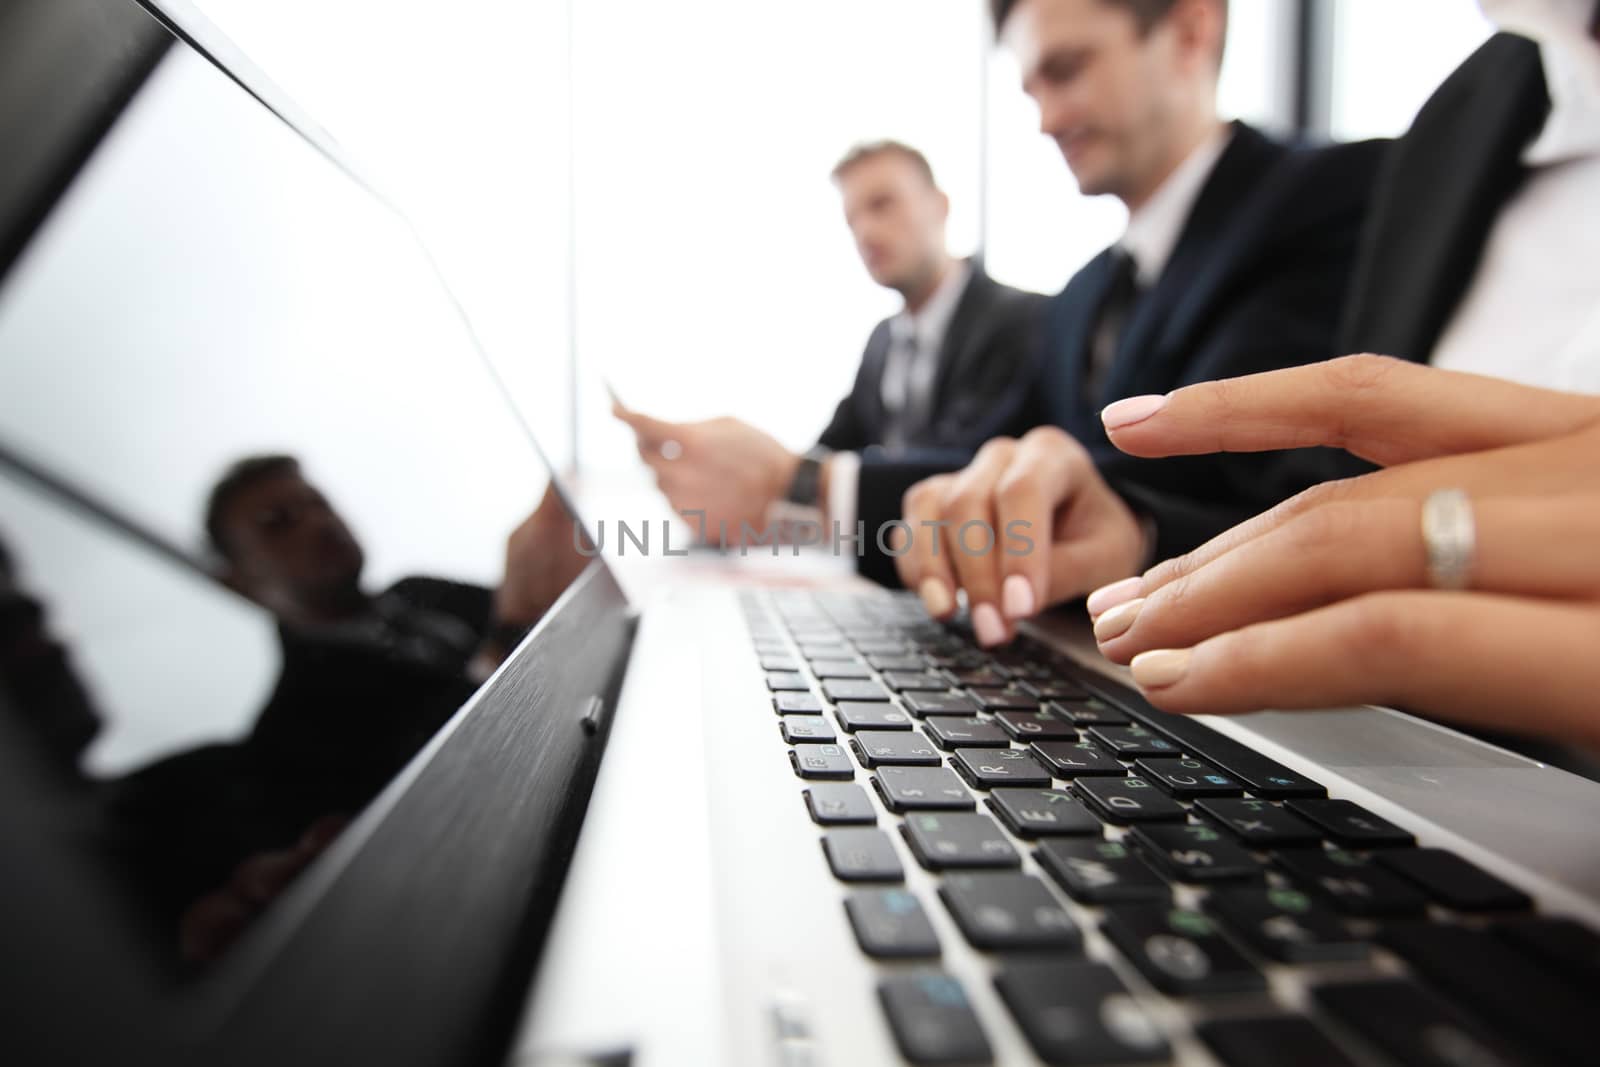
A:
1571,60
930,323
1154,229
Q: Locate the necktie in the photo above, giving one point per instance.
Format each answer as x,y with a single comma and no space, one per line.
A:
1115,310
903,391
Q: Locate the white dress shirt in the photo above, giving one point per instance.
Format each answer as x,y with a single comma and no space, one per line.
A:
1532,311
911,363
1152,234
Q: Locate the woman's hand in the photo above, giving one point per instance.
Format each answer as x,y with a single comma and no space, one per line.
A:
1326,599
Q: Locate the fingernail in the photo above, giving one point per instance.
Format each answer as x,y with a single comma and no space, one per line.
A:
935,597
986,623
1115,622
1109,596
1160,668
1018,597
1133,409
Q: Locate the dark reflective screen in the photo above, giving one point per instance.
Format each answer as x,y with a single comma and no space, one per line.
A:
266,522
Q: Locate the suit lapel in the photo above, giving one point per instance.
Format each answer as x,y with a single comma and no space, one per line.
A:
1200,247
1075,314
1444,183
870,406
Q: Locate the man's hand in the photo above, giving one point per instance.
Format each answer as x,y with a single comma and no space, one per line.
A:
1325,600
542,559
1057,531
726,468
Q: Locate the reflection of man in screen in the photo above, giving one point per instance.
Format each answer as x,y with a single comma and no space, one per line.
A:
285,547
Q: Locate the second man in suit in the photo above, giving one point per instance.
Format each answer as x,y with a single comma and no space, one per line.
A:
931,376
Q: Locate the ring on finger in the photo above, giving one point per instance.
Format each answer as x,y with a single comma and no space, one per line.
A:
1450,536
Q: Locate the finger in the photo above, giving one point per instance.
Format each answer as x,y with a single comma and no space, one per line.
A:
969,539
1384,410
650,431
923,565
1524,546
1026,496
1558,466
1476,659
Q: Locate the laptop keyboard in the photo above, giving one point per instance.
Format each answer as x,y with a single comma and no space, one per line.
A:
1205,865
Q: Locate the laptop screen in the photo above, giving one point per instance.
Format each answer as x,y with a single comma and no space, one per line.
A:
266,520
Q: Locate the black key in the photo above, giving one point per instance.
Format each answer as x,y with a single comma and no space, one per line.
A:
1042,812
1047,688
878,748
942,840
954,731
878,647
1350,824
986,675
921,789
1128,800
1262,776
1497,983
1035,726
1181,951
787,681
890,924
797,704
1560,944
839,689
907,664
799,729
1008,912
839,804
1272,1041
1077,759
1078,1011
1099,872
862,856
855,715
991,699
986,768
1091,711
821,761
1350,884
1284,924
1258,823
901,681
840,668
1188,778
785,664
932,1020
921,704
1129,741
1452,881
1413,1026
1194,853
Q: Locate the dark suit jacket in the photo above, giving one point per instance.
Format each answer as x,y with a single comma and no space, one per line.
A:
1256,282
1438,195
989,342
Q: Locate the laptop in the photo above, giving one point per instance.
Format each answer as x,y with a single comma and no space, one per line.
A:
286,776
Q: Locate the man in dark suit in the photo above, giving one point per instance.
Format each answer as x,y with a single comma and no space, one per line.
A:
930,377
1235,260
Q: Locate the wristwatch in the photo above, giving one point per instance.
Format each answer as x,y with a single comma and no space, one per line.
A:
805,489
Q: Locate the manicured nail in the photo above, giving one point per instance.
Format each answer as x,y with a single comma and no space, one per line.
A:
935,597
1018,597
1160,668
1115,622
1109,596
1133,409
986,622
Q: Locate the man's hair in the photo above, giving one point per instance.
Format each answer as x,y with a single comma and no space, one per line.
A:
873,149
235,480
1146,13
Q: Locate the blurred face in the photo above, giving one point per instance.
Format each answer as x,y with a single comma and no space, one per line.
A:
897,218
1111,98
291,552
